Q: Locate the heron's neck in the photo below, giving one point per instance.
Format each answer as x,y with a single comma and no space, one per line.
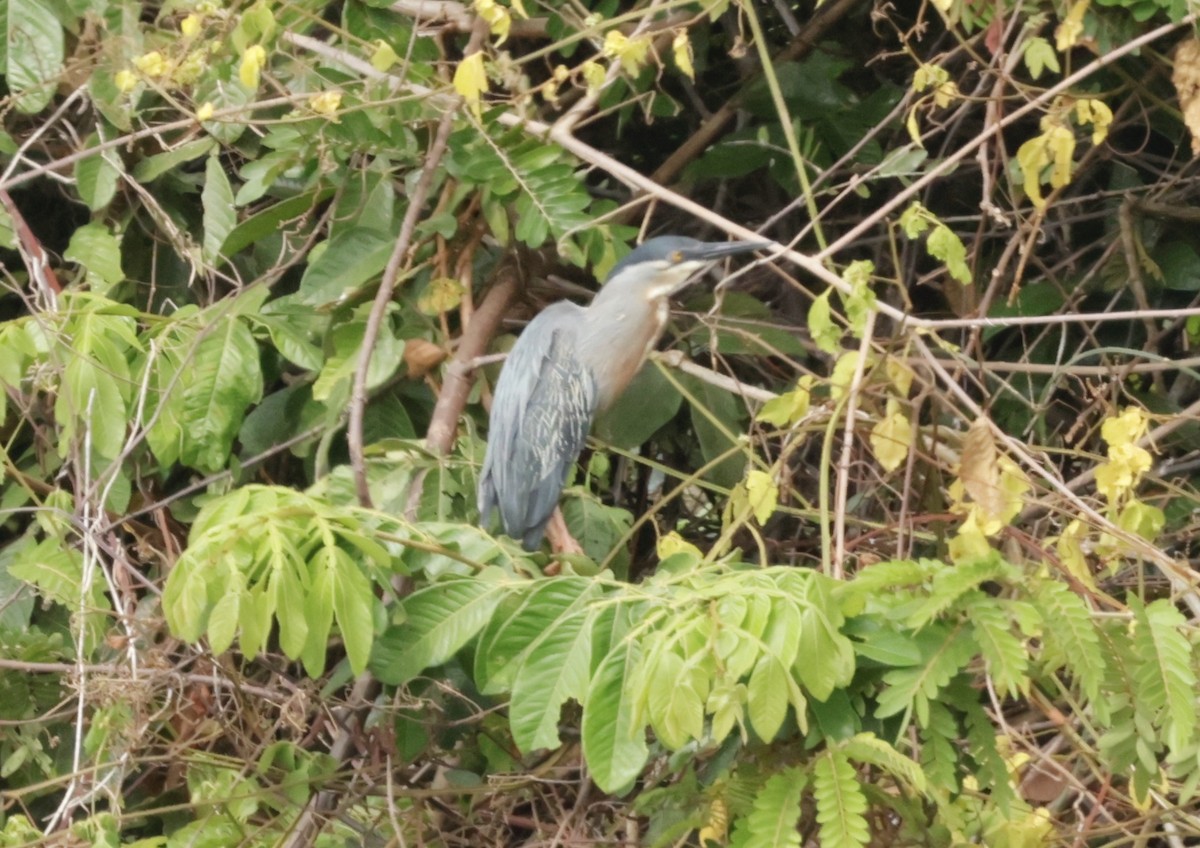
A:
624,330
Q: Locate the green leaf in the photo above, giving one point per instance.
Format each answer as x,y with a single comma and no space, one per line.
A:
33,53
939,746
438,621
556,670
185,601
598,528
772,820
516,631
868,748
649,403
90,401
353,602
220,215
222,620
718,416
223,378
318,605
884,645
614,744
944,244
767,698
944,651
950,584
287,584
96,177
1165,675
1180,266
1039,56
915,220
99,252
1005,654
350,259
991,768
291,340
676,711
825,334
257,611
826,658
269,220
57,570
155,166
1069,637
841,803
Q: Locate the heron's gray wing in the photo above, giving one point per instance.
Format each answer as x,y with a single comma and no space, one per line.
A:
543,407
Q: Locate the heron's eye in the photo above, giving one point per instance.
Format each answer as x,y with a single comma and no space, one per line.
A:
676,256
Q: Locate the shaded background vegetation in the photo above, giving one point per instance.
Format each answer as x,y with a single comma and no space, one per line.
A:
894,547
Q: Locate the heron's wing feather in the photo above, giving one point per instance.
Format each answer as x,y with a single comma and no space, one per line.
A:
543,407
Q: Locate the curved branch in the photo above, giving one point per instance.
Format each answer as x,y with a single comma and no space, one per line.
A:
358,395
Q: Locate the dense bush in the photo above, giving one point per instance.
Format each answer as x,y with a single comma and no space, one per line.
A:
894,548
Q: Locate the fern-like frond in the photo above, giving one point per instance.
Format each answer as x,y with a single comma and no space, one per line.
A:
1166,679
939,754
1070,639
870,749
772,822
991,770
841,804
1007,659
944,651
951,583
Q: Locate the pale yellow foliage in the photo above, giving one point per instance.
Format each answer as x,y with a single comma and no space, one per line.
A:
632,53
190,26
470,80
498,19
1186,77
253,61
151,64
326,103
761,494
892,437
125,81
1067,34
1127,461
673,543
681,48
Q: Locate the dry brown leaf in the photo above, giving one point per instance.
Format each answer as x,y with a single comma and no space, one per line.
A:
979,469
1186,77
421,357
1041,785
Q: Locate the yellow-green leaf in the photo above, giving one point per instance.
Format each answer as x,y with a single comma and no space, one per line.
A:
1061,143
470,80
253,61
789,407
681,48
383,56
441,294
630,52
762,495
891,439
1033,156
824,332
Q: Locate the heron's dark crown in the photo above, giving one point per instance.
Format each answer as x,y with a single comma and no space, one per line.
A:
661,249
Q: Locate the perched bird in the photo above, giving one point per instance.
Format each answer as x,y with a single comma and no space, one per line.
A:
569,365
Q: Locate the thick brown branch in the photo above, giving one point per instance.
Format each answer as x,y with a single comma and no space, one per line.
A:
459,373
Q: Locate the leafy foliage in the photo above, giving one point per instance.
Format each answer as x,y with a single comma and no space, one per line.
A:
902,555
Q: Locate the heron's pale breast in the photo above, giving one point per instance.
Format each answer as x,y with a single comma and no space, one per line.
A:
617,345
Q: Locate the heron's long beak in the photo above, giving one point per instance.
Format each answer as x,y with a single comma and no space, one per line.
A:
716,249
